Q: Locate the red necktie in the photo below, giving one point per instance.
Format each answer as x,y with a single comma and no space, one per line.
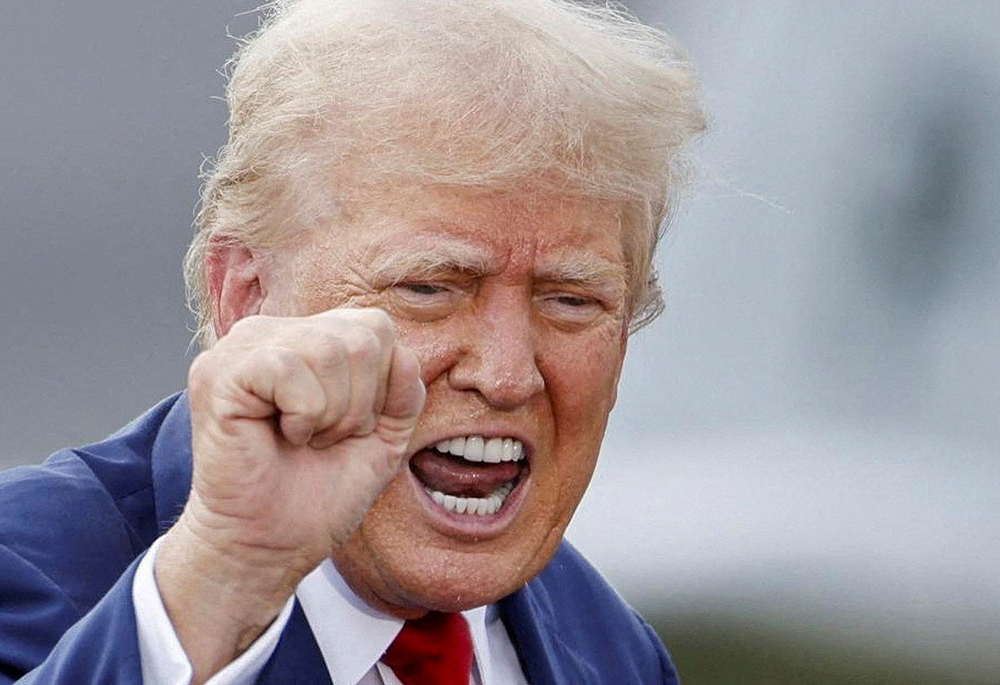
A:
433,650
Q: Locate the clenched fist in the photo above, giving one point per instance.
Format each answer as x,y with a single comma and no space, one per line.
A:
297,425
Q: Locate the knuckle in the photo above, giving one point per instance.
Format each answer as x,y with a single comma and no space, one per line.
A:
378,319
312,409
337,319
200,377
363,346
279,361
311,405
338,403
200,369
249,326
382,325
207,372
332,362
372,318
330,354
277,364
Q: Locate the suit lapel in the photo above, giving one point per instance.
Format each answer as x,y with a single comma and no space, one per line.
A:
171,463
297,658
544,658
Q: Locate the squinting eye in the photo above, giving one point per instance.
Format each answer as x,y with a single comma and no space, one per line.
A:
425,301
570,308
421,288
573,301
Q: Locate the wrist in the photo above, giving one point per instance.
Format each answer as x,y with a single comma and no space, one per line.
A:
220,597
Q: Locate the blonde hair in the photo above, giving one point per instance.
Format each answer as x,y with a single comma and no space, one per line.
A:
551,95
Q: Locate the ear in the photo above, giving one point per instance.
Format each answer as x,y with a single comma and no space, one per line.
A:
234,284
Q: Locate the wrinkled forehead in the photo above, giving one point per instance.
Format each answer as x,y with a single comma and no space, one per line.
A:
415,229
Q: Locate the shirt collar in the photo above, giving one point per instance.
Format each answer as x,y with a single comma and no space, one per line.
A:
329,604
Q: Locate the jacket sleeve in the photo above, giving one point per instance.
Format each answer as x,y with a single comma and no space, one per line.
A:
101,646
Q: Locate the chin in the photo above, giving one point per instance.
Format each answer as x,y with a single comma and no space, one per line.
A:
407,558
456,581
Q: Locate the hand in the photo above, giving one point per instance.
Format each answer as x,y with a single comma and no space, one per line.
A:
297,425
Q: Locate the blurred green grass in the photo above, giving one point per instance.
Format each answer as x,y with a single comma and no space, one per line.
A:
718,650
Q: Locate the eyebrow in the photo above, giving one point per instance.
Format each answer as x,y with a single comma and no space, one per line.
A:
583,269
394,265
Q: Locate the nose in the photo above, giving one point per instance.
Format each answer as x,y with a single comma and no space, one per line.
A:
499,358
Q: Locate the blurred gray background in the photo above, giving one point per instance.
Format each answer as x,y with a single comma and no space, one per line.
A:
800,481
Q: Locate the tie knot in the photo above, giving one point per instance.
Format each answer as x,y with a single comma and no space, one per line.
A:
433,650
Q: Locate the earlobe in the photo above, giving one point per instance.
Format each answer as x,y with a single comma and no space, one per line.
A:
234,282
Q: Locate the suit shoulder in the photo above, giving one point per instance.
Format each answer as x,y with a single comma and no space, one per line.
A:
60,520
78,519
593,620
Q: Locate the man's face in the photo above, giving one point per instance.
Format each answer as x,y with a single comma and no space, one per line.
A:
515,305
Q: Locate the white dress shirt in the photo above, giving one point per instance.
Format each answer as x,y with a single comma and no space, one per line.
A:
351,655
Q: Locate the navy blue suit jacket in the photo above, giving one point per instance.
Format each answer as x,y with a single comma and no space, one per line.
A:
73,529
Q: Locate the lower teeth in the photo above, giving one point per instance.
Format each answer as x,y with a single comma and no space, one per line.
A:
479,506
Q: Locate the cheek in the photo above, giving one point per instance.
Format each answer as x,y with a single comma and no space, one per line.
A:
581,380
581,376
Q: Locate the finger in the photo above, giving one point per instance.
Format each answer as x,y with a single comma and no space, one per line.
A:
368,375
379,323
327,356
405,392
345,355
365,364
281,378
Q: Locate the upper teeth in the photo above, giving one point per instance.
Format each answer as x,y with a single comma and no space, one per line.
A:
478,448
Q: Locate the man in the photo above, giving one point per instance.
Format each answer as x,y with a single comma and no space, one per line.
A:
418,261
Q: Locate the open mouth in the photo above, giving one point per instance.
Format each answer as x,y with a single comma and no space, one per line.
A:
471,474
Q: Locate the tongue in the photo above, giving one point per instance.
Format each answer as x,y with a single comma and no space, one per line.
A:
455,476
